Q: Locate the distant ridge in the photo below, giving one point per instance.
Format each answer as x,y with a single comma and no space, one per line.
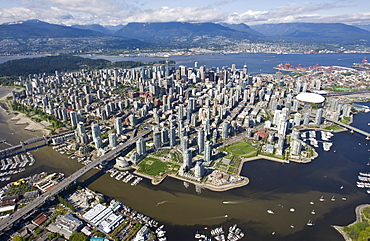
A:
94,27
37,29
242,28
38,37
181,32
35,37
316,32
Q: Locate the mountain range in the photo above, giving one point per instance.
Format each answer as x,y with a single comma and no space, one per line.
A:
36,36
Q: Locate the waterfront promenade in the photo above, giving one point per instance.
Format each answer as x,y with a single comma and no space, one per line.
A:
9,221
359,212
350,127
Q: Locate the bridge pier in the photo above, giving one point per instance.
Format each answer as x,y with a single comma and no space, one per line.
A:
23,146
46,141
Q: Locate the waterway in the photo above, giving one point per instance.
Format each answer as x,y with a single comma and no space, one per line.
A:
256,63
272,186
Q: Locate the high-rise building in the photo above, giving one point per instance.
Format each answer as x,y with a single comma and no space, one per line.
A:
118,125
306,118
282,128
108,110
184,143
134,157
187,159
276,118
64,114
280,145
334,104
297,119
296,147
318,117
199,170
200,140
100,94
295,105
164,135
95,131
141,146
207,152
132,119
98,142
225,130
112,140
295,134
172,136
157,139
81,129
181,112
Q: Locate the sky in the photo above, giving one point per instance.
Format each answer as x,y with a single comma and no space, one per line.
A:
115,12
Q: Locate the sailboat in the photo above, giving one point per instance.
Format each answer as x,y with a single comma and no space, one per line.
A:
310,223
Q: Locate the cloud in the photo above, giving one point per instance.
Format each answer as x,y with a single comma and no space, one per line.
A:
52,15
166,14
114,12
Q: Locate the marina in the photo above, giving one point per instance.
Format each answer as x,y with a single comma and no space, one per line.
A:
125,176
14,165
233,233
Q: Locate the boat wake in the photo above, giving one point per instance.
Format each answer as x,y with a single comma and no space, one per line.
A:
162,202
218,217
233,202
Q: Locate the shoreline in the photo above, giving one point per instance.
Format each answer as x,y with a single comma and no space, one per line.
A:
222,188
359,211
23,119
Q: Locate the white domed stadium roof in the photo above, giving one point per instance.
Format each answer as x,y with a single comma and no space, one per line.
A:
310,98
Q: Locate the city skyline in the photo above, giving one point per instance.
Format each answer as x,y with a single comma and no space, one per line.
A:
116,12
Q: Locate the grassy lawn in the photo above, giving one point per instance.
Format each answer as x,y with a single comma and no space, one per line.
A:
342,89
333,127
240,148
154,167
345,119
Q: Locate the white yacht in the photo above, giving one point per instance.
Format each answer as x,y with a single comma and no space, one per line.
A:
269,211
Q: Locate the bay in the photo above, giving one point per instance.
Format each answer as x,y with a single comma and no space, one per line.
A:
256,63
272,185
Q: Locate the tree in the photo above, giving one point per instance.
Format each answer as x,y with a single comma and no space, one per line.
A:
76,236
19,238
